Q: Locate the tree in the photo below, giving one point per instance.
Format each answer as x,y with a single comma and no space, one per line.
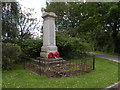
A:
26,23
17,24
9,27
113,24
60,11
92,22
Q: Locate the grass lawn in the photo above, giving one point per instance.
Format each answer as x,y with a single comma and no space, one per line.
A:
109,53
105,74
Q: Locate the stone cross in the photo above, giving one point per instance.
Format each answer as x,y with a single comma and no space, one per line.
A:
49,41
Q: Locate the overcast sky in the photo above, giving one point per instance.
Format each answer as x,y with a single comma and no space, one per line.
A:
37,5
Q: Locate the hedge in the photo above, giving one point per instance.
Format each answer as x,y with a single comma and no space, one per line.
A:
10,54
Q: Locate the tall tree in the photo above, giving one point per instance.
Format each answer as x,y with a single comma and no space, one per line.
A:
17,24
113,24
9,26
26,23
92,22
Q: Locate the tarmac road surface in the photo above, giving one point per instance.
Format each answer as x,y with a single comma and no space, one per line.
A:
105,56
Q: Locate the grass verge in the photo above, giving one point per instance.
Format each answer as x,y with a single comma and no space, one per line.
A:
105,74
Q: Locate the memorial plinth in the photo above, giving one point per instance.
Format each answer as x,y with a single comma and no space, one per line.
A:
49,42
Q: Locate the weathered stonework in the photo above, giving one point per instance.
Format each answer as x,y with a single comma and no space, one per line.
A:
49,42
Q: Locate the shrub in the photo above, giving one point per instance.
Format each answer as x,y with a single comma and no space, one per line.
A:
10,54
71,47
68,47
31,48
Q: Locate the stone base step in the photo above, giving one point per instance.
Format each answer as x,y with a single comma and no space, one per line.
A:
50,62
46,59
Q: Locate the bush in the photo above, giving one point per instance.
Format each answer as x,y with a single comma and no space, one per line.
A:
10,54
68,47
31,48
71,47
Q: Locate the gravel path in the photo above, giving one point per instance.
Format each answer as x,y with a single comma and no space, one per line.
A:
110,57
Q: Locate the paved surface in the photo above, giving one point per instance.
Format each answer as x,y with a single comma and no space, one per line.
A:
115,86
110,57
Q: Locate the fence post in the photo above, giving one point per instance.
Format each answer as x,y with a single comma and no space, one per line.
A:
93,62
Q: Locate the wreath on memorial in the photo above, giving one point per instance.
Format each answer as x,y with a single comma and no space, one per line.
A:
52,55
57,54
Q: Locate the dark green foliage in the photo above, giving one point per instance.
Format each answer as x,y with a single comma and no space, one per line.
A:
9,26
114,25
96,23
31,48
10,54
70,47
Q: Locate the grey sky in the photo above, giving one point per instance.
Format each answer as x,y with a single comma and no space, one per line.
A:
37,5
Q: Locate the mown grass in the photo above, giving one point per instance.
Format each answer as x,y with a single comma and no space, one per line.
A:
105,74
109,53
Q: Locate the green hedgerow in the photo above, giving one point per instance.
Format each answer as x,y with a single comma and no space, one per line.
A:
10,54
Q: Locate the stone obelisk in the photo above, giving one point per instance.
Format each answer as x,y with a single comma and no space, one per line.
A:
49,41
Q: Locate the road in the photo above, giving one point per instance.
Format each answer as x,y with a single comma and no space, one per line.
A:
110,57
